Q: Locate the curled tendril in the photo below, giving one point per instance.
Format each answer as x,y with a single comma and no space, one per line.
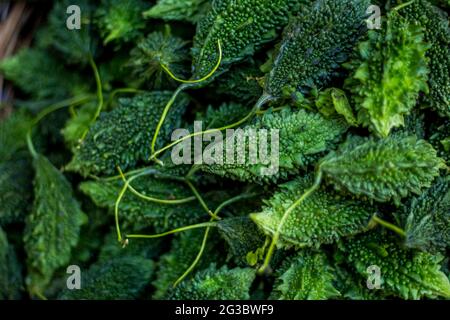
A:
178,91
209,75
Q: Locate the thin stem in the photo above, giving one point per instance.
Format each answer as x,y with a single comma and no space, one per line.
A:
99,93
257,107
40,295
277,233
116,207
164,115
401,6
205,238
273,110
164,234
52,108
233,200
60,105
197,258
192,171
151,199
389,226
177,92
200,199
209,75
31,148
119,91
142,170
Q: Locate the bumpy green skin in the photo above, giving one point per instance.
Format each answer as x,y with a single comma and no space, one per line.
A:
442,3
351,286
74,46
175,10
241,82
440,139
315,44
414,125
324,217
388,75
436,29
141,213
120,20
115,279
385,169
242,236
404,273
52,229
241,26
426,218
226,113
216,284
57,84
123,136
155,50
306,276
183,251
11,282
303,139
15,189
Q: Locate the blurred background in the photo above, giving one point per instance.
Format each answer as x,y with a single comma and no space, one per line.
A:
18,22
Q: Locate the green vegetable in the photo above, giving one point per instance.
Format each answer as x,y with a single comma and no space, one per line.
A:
53,227
223,115
186,10
11,282
426,218
115,279
182,253
389,74
436,30
75,46
307,276
12,134
15,189
385,169
242,236
315,44
15,169
52,85
242,27
154,51
121,137
320,172
323,218
242,83
406,274
121,20
213,283
143,213
303,139
332,101
440,139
